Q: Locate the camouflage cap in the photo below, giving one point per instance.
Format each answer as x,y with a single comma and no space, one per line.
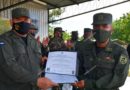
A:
33,27
58,29
102,18
87,30
19,12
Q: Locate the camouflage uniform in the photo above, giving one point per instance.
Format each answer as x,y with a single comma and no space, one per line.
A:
19,58
103,68
111,66
20,63
73,43
57,43
86,40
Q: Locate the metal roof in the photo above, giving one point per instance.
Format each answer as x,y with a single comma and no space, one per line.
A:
52,4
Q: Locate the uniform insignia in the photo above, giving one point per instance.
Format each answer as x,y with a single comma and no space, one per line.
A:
100,17
2,44
123,59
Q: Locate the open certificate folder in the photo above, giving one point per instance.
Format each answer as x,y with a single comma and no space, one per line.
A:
61,67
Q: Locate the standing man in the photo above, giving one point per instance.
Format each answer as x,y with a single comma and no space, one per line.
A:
103,64
72,44
20,56
57,43
87,34
33,30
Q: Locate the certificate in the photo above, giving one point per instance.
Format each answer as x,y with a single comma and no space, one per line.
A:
61,67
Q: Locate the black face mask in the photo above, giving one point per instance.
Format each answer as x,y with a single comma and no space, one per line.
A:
21,27
101,35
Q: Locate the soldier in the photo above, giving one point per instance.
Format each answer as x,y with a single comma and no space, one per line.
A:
57,43
103,64
72,44
20,56
33,30
87,34
86,38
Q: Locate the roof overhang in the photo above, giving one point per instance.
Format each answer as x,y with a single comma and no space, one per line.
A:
52,4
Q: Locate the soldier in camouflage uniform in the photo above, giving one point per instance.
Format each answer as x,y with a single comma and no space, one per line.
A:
87,34
103,64
20,56
86,38
57,43
33,30
72,44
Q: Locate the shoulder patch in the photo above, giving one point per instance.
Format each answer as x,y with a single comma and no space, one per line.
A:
2,44
123,59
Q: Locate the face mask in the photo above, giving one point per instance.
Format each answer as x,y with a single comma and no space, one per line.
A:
57,34
102,35
21,27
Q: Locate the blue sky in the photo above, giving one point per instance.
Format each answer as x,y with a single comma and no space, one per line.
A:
84,21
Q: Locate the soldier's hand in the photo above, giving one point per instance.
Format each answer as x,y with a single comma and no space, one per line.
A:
79,84
43,59
45,42
45,83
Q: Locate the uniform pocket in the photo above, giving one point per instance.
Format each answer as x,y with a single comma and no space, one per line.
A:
106,63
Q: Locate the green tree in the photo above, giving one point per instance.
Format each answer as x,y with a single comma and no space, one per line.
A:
122,28
4,25
66,36
55,14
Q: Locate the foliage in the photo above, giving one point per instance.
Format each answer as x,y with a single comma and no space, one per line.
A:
66,36
4,25
122,28
51,31
55,13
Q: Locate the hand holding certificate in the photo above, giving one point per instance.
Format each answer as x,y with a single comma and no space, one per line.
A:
61,67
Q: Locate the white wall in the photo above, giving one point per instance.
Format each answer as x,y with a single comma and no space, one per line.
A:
38,12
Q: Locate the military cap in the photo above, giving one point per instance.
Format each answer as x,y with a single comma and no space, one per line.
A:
74,32
19,12
58,29
33,27
102,18
87,30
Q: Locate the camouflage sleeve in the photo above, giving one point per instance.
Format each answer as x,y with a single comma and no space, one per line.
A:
51,45
114,79
11,68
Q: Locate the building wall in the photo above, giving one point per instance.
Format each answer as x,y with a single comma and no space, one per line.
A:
38,13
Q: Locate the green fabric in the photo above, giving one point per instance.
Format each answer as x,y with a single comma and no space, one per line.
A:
109,73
